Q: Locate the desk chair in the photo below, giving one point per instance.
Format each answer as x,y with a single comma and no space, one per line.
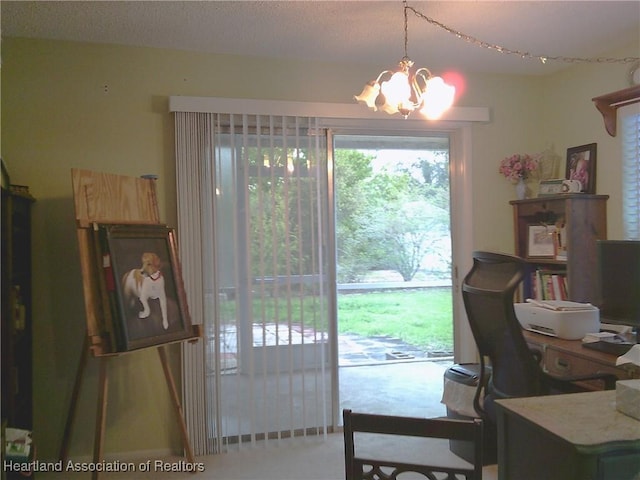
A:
488,294
384,467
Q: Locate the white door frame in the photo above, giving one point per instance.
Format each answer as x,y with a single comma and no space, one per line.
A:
457,122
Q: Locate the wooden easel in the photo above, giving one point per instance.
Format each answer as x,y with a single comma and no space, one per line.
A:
110,199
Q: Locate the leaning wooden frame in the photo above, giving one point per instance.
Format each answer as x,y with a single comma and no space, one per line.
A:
142,285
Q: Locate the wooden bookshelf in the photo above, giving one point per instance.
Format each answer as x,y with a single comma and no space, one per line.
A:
583,219
16,319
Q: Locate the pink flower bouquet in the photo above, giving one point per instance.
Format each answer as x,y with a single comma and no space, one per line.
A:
517,167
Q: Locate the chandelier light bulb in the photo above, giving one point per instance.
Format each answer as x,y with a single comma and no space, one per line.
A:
437,98
397,91
369,94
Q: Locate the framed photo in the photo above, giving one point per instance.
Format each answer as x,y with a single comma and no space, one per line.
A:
581,166
541,241
143,282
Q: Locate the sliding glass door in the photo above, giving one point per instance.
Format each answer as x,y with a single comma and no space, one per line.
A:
258,242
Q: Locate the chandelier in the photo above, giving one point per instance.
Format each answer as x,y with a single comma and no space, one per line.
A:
405,90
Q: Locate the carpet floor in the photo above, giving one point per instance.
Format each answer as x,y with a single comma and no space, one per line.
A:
310,458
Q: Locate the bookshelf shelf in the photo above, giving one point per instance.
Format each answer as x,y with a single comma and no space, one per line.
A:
581,219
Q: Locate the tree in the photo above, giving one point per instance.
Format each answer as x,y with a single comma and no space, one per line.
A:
391,218
409,228
435,172
280,235
357,243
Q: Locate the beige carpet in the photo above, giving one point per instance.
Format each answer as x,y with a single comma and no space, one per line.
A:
310,458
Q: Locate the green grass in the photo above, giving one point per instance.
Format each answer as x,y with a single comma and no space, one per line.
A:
422,318
418,317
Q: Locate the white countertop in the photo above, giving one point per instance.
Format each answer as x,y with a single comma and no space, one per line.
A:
583,419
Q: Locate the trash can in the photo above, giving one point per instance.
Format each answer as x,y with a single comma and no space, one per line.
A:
460,383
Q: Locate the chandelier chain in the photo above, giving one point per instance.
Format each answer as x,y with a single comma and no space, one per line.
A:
505,50
406,30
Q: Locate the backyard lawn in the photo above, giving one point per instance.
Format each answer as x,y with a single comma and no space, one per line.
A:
418,317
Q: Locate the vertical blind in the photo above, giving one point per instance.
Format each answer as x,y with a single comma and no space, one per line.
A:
252,208
631,171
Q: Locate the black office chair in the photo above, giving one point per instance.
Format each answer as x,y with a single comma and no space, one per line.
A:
488,293
387,466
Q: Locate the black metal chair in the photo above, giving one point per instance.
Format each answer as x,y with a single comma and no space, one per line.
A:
488,292
386,467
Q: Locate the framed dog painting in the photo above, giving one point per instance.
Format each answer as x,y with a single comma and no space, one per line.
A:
143,282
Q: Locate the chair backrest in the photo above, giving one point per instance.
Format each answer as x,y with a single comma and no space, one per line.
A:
383,466
488,294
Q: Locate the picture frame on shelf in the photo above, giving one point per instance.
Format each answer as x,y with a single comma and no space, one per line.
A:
581,166
144,286
542,243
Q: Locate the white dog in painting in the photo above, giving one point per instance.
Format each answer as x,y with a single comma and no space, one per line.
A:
146,283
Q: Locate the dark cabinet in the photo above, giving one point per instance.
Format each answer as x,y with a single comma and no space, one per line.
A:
16,308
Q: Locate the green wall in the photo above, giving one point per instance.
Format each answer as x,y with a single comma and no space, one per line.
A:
105,108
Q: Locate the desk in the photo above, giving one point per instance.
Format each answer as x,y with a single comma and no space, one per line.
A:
578,436
564,358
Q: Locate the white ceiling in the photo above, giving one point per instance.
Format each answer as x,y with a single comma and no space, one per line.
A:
368,32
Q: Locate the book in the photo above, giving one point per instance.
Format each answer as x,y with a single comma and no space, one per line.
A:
558,283
560,242
549,285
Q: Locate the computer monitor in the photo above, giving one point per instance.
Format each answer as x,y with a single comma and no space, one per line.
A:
618,278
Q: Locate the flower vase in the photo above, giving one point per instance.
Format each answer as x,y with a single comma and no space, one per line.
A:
521,189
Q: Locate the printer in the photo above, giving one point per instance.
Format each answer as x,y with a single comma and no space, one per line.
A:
558,318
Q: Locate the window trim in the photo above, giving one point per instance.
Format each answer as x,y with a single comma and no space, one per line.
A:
630,182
